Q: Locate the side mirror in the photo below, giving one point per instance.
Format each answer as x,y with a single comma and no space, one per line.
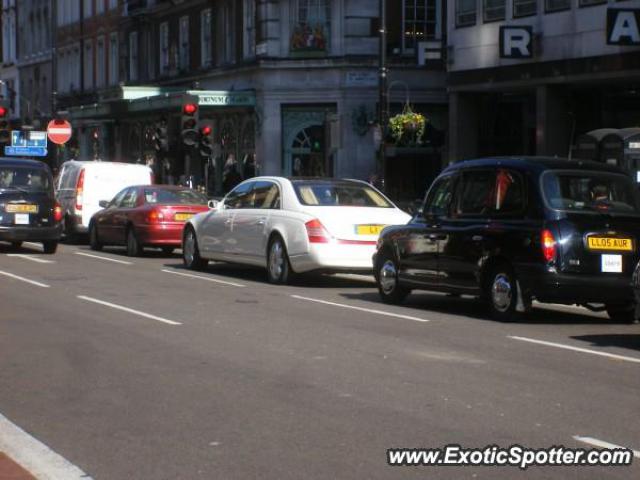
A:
213,204
103,204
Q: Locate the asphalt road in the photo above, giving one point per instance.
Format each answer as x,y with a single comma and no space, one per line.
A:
224,376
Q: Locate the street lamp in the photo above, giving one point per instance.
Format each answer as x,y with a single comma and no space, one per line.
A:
383,104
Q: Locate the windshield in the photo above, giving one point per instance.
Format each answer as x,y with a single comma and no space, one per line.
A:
601,192
326,194
160,196
24,179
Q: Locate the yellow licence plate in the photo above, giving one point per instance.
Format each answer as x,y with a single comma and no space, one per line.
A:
182,217
21,208
369,229
607,243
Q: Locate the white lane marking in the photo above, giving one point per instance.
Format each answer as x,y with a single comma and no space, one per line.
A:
577,349
602,444
99,257
22,279
368,310
34,456
128,310
214,280
29,257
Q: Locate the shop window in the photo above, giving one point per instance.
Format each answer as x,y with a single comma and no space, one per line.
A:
523,8
311,31
555,5
494,10
465,12
206,48
420,22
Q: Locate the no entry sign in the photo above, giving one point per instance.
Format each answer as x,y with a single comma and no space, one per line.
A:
59,131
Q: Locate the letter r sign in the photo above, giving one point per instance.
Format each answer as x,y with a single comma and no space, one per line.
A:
516,42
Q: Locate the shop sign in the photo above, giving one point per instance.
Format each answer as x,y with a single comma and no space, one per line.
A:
623,26
227,100
362,79
516,42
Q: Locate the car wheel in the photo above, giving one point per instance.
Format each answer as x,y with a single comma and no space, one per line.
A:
278,267
50,247
191,253
94,241
622,313
387,280
167,250
134,249
16,245
501,291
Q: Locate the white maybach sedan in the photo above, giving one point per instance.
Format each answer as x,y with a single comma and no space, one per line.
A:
292,226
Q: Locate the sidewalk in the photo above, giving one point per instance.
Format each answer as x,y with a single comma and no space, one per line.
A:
10,470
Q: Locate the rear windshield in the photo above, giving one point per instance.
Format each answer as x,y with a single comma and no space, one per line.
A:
160,196
325,194
590,192
24,179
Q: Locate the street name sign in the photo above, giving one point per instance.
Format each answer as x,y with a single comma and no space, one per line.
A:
26,151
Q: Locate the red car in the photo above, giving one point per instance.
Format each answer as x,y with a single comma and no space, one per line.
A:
145,216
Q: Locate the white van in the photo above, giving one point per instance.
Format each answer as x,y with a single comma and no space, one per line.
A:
80,187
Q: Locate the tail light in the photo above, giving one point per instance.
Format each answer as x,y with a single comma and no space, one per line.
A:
79,190
316,232
57,213
548,246
155,216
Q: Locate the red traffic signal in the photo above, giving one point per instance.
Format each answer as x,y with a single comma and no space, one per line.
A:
3,112
190,109
206,130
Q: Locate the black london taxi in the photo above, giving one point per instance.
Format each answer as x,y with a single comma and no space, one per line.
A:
511,230
28,208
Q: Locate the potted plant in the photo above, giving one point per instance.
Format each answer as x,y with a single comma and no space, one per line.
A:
407,128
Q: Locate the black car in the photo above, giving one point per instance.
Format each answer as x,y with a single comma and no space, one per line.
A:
28,208
511,230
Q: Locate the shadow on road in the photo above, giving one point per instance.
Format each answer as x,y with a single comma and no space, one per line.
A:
629,341
474,308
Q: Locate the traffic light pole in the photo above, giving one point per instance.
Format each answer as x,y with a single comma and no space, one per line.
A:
383,113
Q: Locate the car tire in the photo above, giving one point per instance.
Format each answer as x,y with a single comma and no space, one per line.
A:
279,270
134,249
501,293
50,247
191,252
387,280
622,313
167,250
94,241
16,245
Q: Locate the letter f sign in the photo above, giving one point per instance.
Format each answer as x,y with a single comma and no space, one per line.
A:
516,42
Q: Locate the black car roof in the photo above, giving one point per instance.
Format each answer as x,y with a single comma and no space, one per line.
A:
538,164
21,162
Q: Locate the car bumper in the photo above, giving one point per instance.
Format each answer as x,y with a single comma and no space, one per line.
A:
30,234
162,235
334,258
551,287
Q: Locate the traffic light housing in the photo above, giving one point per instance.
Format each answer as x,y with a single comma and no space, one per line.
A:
189,122
161,138
5,126
205,132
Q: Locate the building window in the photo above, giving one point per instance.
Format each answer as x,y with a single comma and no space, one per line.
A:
88,65
133,56
555,5
183,51
465,12
249,49
101,73
312,28
586,3
206,46
114,60
88,8
523,8
113,4
494,10
99,7
164,47
420,22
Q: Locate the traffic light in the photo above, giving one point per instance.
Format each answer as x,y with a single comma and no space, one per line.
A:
189,123
206,139
5,127
161,139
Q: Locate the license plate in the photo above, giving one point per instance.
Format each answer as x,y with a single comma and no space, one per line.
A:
612,263
21,208
608,243
369,229
182,217
21,219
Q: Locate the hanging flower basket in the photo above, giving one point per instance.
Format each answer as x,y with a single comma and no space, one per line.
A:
407,128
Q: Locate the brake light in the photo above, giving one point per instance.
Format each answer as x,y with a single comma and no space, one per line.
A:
57,213
155,216
316,232
548,246
79,190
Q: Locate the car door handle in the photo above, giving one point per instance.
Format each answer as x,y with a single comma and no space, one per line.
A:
262,221
477,238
